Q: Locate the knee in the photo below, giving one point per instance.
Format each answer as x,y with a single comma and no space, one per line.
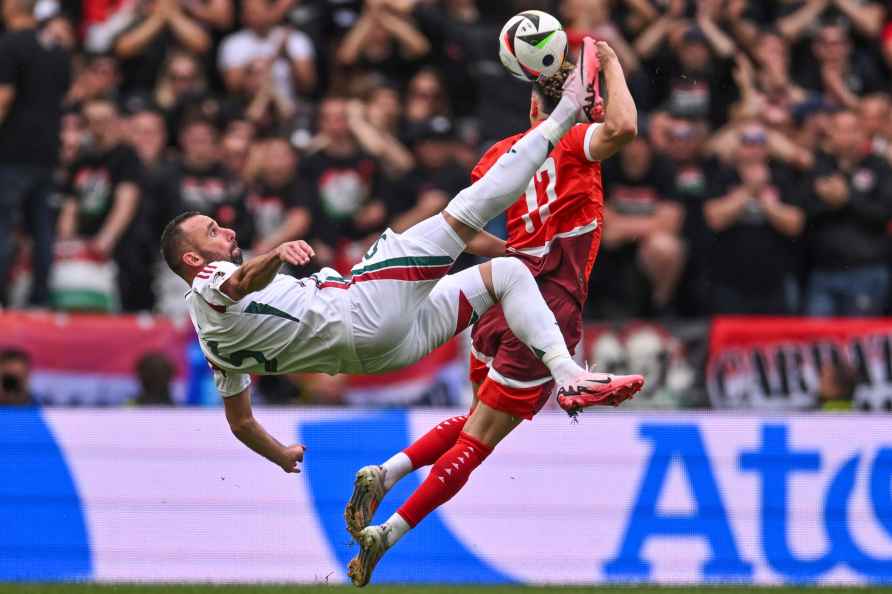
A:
506,273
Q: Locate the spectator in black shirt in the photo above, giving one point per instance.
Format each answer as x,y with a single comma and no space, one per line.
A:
842,74
345,184
384,40
98,76
849,208
755,214
148,136
277,203
425,190
642,256
102,198
694,178
199,181
157,26
34,77
182,92
691,72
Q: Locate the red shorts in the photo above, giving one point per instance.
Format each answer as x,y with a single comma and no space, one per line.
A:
510,377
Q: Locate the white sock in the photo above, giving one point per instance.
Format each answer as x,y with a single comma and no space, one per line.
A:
396,468
395,527
530,318
509,176
560,120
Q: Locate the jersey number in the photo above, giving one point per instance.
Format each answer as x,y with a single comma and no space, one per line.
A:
532,196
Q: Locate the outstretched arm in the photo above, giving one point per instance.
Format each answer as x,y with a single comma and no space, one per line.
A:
251,433
258,272
620,116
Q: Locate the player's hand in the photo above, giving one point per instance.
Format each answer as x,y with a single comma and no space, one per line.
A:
296,253
606,55
291,457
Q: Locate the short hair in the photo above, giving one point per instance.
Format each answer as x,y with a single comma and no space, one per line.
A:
549,90
15,354
174,242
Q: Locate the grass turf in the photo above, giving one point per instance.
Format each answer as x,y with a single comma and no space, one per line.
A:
340,589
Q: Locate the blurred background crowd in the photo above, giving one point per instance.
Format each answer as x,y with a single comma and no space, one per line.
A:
760,182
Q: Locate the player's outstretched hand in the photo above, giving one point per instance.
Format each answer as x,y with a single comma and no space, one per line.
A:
296,253
605,53
293,455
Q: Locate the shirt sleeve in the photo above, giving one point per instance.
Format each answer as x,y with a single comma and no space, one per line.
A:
208,281
230,383
300,47
130,169
578,139
232,54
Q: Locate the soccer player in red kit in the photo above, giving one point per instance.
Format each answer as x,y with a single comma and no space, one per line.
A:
555,228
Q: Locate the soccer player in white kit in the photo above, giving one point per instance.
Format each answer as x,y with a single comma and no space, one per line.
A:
399,304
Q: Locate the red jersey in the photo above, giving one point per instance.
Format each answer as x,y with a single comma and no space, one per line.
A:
559,216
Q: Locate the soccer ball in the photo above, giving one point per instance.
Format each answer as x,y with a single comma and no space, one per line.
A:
532,44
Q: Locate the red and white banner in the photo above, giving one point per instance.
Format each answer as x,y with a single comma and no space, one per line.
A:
86,359
776,363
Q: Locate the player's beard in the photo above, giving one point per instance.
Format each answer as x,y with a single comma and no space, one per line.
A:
234,256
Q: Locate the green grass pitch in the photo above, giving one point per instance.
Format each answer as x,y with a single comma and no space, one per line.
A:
326,589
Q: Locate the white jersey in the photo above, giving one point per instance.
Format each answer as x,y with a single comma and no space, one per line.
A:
291,325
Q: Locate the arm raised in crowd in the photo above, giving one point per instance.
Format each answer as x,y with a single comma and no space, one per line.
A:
794,25
133,42
378,143
188,32
216,13
353,42
720,42
164,13
413,43
867,18
650,40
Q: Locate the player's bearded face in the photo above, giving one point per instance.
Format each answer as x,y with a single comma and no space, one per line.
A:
222,248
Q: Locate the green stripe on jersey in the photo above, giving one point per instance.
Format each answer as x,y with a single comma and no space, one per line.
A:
405,262
268,310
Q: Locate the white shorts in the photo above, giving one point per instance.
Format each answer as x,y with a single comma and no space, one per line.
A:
403,302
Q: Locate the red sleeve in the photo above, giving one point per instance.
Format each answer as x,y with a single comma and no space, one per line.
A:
574,141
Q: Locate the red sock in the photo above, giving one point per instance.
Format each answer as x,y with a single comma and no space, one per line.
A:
448,475
428,448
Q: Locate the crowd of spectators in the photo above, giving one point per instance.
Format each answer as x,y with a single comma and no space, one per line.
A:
760,182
